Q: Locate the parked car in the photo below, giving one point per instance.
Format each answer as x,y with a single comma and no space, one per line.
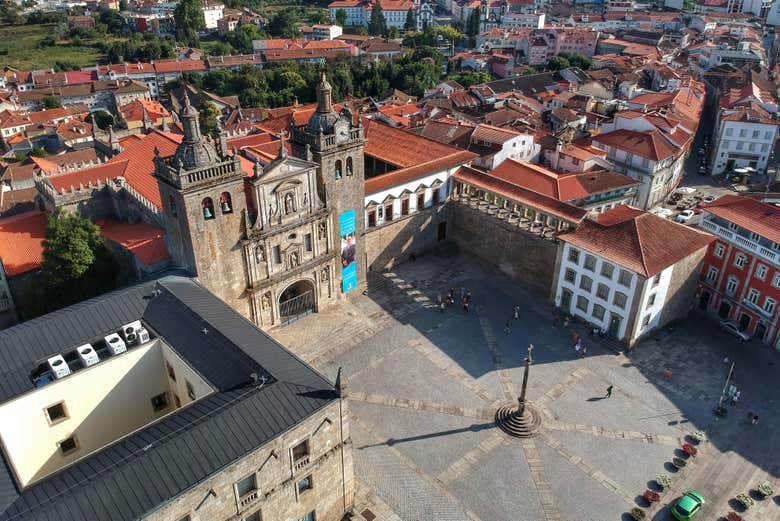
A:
708,198
662,212
733,329
688,506
685,216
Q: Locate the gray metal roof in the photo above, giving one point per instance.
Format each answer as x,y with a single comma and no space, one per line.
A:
142,472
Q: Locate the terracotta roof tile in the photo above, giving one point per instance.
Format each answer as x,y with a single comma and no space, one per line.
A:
21,242
637,240
144,241
515,192
751,214
651,145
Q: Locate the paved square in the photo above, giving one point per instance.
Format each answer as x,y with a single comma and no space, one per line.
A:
424,386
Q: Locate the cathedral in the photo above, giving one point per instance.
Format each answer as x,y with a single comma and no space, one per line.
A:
284,241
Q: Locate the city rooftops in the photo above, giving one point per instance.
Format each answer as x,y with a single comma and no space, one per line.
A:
120,436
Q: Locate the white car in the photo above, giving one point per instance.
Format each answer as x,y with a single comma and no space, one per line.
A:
733,329
662,212
685,216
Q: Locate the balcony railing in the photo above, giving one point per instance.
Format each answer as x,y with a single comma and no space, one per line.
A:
248,499
755,307
753,247
300,462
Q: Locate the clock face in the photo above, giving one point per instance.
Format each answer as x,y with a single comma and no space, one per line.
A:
342,131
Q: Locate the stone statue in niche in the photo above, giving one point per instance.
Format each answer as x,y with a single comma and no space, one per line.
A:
260,254
322,228
273,210
305,199
266,300
325,274
294,259
289,203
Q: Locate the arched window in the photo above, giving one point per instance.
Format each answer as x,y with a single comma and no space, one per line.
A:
225,203
172,206
338,169
208,208
349,166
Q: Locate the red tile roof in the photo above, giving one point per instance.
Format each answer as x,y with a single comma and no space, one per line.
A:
515,192
21,242
561,186
144,241
163,66
494,135
637,240
651,145
751,214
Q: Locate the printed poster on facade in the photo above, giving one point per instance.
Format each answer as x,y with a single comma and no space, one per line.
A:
348,264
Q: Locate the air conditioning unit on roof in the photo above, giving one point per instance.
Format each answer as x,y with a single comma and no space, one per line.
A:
87,355
130,331
143,335
115,344
58,366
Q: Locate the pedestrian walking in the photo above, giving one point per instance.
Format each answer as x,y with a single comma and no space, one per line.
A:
506,328
441,306
609,391
577,348
735,398
462,292
516,312
466,303
583,352
667,374
755,419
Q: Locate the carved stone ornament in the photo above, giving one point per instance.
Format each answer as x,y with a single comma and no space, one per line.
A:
260,254
266,300
322,228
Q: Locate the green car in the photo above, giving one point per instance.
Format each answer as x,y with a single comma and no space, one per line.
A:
688,506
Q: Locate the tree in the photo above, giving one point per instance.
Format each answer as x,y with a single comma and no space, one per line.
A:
557,63
38,152
283,24
411,21
393,33
377,25
472,23
123,5
51,102
449,33
188,18
341,17
76,263
209,114
578,60
241,39
469,78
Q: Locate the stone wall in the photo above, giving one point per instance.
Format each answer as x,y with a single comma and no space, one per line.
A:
523,256
278,499
680,297
393,242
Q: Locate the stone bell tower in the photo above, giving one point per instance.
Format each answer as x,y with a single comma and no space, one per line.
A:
202,192
335,141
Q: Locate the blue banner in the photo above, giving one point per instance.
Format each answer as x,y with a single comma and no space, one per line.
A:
348,254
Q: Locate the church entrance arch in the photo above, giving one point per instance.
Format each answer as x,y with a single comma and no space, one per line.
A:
296,301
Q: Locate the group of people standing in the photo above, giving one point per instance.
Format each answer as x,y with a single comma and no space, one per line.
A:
449,299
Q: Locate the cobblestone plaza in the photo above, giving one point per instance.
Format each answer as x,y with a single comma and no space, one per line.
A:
424,386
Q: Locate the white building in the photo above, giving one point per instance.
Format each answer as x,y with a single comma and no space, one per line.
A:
652,156
745,137
394,11
496,145
213,12
628,272
522,21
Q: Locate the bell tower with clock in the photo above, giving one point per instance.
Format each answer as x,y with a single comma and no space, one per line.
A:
335,141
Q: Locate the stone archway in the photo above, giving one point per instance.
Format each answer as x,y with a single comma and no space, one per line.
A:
296,301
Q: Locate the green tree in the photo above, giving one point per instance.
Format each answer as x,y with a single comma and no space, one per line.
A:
76,263
377,25
188,19
123,5
472,23
557,63
209,115
341,17
51,102
411,21
449,33
578,60
284,24
393,33
38,152
241,39
469,78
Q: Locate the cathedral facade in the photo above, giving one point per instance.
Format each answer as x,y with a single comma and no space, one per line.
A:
284,241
